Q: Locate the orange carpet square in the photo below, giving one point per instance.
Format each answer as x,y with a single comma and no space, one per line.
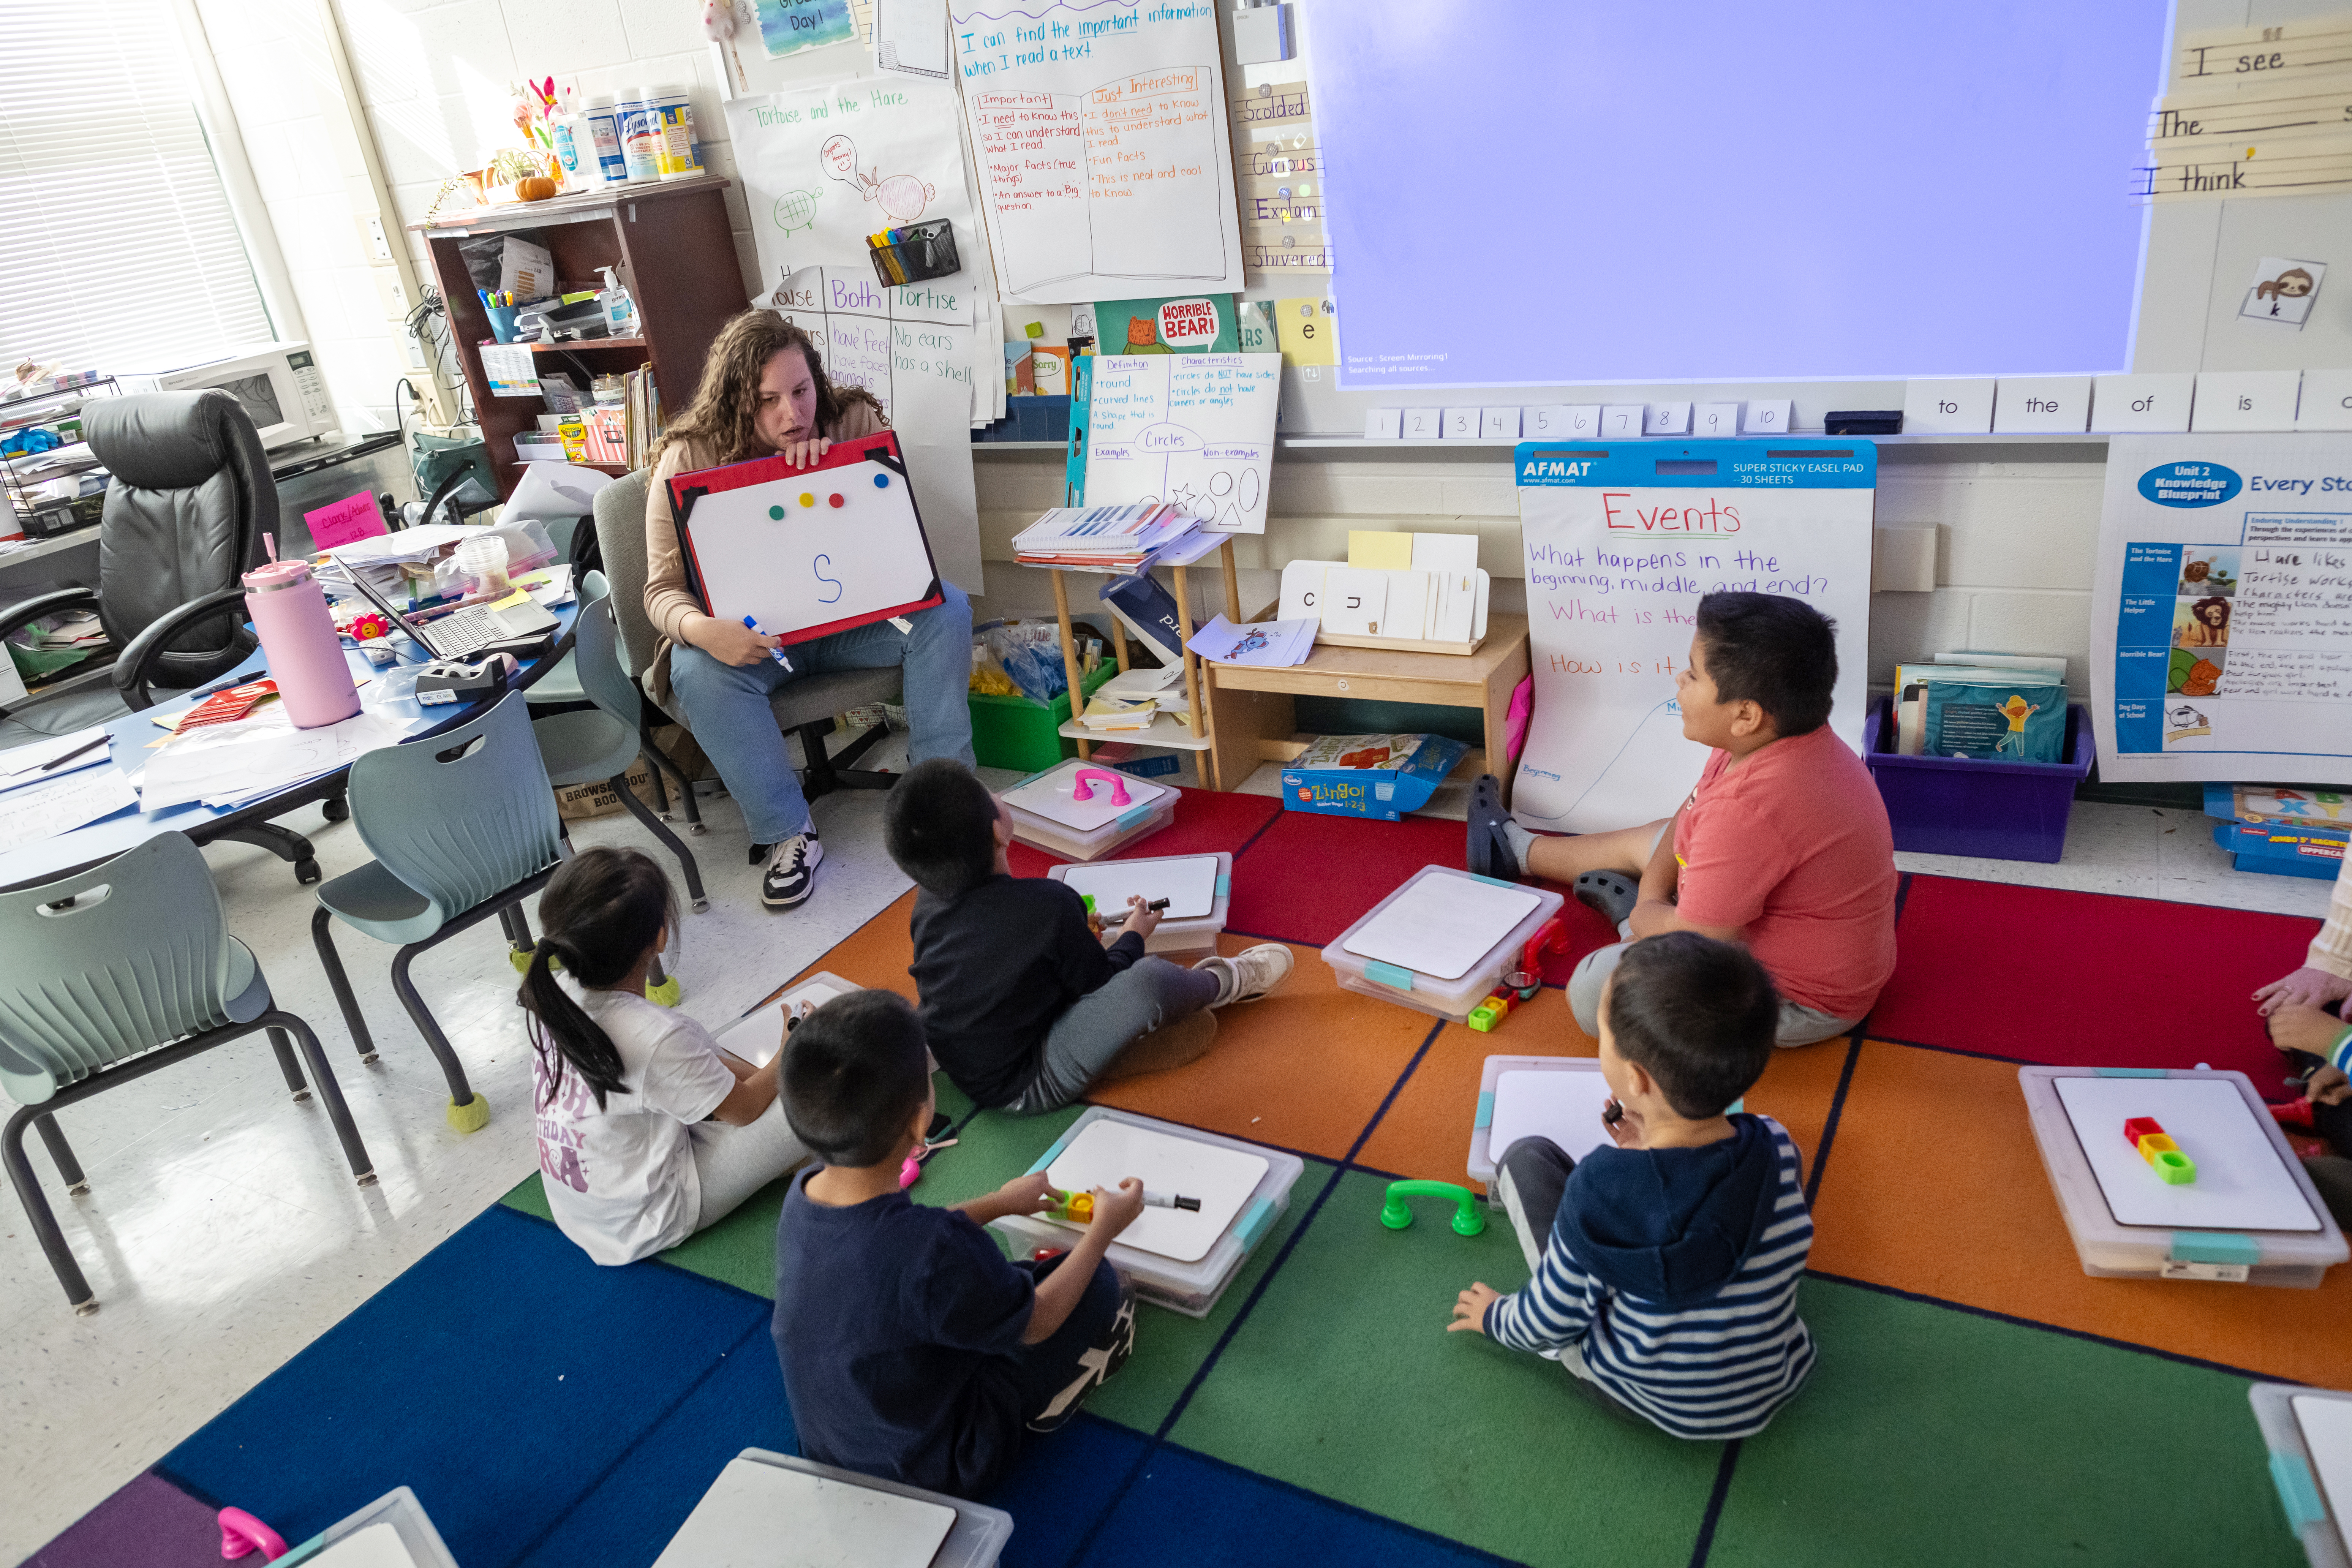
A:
1935,1187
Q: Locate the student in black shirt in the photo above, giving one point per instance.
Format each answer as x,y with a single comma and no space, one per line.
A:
911,1349
1023,1005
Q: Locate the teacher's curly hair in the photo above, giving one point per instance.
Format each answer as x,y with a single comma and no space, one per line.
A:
721,416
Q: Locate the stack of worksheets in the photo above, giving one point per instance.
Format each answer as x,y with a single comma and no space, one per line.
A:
1117,538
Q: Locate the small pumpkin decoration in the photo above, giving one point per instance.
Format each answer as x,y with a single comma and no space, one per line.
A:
537,188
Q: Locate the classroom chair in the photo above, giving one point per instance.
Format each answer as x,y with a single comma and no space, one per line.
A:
462,827
186,506
560,687
805,707
116,972
600,743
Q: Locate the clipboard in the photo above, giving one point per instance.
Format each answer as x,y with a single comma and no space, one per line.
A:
807,552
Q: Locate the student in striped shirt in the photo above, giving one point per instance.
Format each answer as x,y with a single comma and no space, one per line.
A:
1666,1267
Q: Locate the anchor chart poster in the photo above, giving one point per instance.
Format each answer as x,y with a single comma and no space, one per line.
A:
2221,609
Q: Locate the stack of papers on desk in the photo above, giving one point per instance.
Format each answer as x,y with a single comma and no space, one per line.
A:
229,764
30,764
1107,536
76,799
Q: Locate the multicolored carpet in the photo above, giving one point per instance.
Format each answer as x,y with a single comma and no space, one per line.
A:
1978,1399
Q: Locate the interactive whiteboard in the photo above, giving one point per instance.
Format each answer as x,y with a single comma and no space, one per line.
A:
807,552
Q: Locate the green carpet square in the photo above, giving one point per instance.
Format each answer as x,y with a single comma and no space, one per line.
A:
1929,1435
1343,1381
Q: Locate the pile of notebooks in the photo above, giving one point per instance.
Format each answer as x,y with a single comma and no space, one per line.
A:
1113,538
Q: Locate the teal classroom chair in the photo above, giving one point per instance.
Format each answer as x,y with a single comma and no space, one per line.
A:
560,687
112,973
598,744
462,827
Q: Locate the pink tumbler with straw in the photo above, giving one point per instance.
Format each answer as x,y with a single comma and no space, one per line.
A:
298,634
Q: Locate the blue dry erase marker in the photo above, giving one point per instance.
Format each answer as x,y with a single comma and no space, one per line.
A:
775,652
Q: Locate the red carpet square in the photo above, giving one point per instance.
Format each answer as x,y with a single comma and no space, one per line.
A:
1309,878
2041,975
1206,822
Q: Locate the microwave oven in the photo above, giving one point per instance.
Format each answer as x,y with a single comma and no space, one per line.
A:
279,386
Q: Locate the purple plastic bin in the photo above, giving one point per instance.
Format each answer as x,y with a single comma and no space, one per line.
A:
1958,805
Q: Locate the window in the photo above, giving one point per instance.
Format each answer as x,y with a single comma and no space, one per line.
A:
118,249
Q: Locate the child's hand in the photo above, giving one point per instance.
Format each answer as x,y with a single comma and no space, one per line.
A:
2327,1084
1470,1309
1139,920
1115,1209
1626,1130
1032,1194
2298,1028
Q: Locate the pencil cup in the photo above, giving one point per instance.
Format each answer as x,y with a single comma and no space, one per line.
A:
502,319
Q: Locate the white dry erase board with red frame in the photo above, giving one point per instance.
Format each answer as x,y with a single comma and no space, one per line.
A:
807,552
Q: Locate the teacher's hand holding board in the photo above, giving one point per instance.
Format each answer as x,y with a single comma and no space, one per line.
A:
820,538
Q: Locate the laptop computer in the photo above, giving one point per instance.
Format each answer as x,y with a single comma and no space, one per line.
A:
475,629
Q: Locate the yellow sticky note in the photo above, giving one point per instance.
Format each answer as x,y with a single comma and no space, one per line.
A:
522,596
1373,550
1307,330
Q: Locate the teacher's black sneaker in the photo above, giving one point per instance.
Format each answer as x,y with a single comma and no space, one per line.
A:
1489,853
791,875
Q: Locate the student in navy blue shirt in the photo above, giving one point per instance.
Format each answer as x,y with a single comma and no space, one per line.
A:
912,1351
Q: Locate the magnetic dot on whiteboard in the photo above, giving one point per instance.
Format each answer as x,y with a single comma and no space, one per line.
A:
834,501
807,500
776,513
881,481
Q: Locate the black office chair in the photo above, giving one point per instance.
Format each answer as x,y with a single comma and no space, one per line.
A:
190,497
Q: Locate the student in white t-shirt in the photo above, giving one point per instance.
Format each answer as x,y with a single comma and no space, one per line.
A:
647,1131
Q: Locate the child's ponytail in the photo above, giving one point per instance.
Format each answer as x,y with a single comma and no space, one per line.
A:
599,914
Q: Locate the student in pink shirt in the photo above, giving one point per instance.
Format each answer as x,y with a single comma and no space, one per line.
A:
1784,844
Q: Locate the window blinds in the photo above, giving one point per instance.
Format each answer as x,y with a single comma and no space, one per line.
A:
118,250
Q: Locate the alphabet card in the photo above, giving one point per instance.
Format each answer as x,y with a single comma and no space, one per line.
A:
807,552
2282,291
1620,548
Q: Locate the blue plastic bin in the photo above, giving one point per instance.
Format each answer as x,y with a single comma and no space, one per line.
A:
1959,805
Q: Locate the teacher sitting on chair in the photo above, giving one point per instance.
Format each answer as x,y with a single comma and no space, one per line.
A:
764,394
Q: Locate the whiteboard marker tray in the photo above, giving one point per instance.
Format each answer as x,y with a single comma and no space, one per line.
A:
1189,1288
2251,1217
2308,1432
1442,942
1201,883
773,1510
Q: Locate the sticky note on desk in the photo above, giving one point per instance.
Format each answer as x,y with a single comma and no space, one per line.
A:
1376,550
520,596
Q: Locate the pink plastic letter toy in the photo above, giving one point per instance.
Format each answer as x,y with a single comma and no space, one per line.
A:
1083,790
243,1535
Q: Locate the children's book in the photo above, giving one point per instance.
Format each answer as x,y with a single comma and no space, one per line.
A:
1995,715
1183,324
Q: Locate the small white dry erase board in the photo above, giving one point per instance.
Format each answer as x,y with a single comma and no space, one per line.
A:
1559,1098
1052,796
1442,926
757,1037
1442,942
1108,1152
772,1510
2250,1216
2308,1432
1198,889
394,1532
377,1546
1193,1288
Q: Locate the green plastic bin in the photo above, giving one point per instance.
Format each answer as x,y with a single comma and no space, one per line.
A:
1016,732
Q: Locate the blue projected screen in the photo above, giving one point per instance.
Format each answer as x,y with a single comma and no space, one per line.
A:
1547,192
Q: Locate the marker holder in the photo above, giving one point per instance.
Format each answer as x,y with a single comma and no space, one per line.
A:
924,250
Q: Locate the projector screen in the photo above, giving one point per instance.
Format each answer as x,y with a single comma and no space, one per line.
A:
1547,192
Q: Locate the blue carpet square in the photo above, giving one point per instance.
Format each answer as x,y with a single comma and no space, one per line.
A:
501,1377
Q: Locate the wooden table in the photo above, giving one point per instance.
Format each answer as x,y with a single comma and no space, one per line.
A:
1253,711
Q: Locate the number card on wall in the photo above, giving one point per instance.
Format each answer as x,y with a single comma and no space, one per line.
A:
807,552
2221,609
1620,547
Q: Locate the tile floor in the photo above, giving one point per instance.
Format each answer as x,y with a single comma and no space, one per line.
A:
223,1232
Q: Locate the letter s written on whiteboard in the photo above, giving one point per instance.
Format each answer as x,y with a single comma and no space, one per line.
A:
833,582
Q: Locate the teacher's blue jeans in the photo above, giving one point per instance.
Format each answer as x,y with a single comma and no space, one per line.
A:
727,705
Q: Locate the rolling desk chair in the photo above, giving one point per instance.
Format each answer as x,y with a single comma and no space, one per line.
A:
190,499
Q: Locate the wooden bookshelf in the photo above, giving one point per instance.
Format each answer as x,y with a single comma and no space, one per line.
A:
671,247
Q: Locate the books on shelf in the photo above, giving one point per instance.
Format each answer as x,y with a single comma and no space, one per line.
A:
1120,537
2010,712
1119,713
